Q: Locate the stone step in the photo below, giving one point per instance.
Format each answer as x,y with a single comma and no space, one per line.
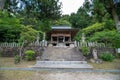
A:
62,64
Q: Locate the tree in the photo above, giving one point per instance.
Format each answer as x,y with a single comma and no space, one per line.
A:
112,7
12,6
42,9
61,22
2,4
98,10
10,27
82,18
107,37
27,35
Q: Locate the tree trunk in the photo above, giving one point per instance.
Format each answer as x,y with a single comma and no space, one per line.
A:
2,3
115,17
21,49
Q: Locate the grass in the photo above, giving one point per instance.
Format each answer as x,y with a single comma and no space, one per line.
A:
9,62
16,75
107,65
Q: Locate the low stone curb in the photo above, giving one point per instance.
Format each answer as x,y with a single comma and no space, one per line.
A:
63,70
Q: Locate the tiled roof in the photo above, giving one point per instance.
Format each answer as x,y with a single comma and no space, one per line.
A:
61,27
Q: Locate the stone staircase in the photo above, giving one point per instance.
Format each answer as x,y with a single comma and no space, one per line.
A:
62,54
62,57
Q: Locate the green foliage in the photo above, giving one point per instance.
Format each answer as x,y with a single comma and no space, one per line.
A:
44,25
78,36
80,20
85,50
29,55
99,11
83,17
107,37
61,22
118,55
0,54
28,34
30,21
17,59
107,57
42,9
93,28
10,27
109,24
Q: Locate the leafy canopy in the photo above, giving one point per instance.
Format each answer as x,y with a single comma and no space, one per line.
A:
10,27
28,34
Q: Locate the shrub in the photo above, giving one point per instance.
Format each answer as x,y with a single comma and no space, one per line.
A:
85,50
107,57
118,55
29,55
17,59
0,54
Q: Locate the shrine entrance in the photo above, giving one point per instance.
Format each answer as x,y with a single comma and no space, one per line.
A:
60,39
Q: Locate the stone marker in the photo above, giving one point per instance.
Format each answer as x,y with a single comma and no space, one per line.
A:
94,52
95,57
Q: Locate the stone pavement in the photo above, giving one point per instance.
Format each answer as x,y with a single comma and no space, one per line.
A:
63,64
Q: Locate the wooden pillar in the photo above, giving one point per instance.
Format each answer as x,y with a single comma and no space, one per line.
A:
57,39
70,38
51,38
63,38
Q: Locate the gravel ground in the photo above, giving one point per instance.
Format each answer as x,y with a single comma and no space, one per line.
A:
75,76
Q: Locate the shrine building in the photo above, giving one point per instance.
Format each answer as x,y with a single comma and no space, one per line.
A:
61,35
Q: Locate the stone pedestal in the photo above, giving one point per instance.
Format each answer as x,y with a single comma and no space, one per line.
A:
72,45
50,45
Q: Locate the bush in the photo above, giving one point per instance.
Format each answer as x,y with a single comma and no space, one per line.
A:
29,55
0,54
17,59
118,55
85,50
107,57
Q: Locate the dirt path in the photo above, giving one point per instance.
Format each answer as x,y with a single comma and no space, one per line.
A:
75,76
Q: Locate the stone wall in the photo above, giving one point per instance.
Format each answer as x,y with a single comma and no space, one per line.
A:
11,51
101,50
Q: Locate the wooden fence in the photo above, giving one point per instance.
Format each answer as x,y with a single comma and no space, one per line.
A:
91,44
14,44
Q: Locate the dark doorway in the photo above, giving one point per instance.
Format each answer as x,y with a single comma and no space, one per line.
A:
60,38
